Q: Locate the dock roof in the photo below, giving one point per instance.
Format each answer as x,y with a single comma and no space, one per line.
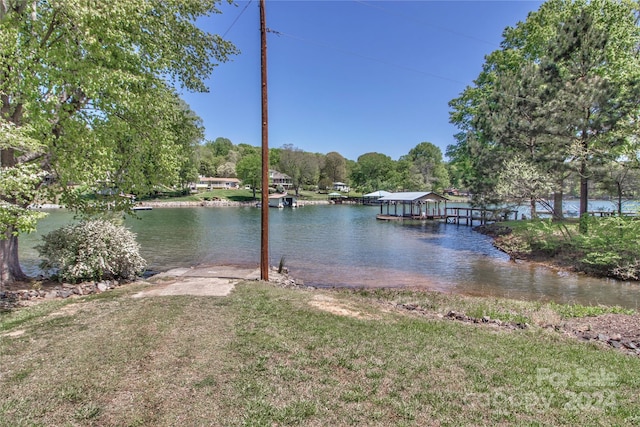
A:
379,193
414,196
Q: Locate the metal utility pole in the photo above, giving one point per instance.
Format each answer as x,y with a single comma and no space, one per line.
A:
264,245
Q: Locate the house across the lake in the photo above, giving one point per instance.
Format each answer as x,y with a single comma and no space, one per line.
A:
280,179
211,183
341,186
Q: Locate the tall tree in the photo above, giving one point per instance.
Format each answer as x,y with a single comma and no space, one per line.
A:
249,170
594,98
302,167
89,81
191,130
427,158
335,167
409,176
620,178
560,88
220,147
374,171
246,149
517,120
206,162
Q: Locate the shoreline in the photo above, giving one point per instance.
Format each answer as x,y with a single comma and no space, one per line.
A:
188,204
215,203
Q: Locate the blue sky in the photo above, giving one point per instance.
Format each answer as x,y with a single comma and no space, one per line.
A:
351,76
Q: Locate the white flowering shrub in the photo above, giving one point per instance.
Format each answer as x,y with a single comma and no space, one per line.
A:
91,250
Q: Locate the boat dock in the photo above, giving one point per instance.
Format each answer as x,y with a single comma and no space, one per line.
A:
427,206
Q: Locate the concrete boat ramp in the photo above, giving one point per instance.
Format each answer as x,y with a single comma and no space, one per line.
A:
199,281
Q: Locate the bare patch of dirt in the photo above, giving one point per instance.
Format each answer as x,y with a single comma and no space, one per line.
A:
67,310
333,306
14,334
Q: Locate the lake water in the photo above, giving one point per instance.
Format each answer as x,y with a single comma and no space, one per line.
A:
346,246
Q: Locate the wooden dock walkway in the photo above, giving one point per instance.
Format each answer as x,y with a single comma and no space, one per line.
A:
482,216
475,216
460,216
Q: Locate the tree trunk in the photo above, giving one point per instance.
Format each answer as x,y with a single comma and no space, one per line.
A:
584,200
619,188
558,214
532,206
10,270
584,189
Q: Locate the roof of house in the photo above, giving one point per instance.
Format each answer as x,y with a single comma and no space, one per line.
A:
281,196
278,175
414,196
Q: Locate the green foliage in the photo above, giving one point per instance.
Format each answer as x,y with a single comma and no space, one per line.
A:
18,187
303,167
89,95
19,183
539,236
334,168
522,180
91,250
373,171
426,158
220,147
249,170
16,219
610,246
516,246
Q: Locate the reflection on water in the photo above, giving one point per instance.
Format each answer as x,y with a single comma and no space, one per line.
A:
345,246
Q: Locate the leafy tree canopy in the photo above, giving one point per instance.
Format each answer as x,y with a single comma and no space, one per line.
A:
94,84
562,90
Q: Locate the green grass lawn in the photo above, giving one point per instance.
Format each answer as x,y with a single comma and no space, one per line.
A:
266,356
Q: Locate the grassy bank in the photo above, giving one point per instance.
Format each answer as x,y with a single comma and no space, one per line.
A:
267,356
597,246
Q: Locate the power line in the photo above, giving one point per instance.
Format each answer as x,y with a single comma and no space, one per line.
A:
236,20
